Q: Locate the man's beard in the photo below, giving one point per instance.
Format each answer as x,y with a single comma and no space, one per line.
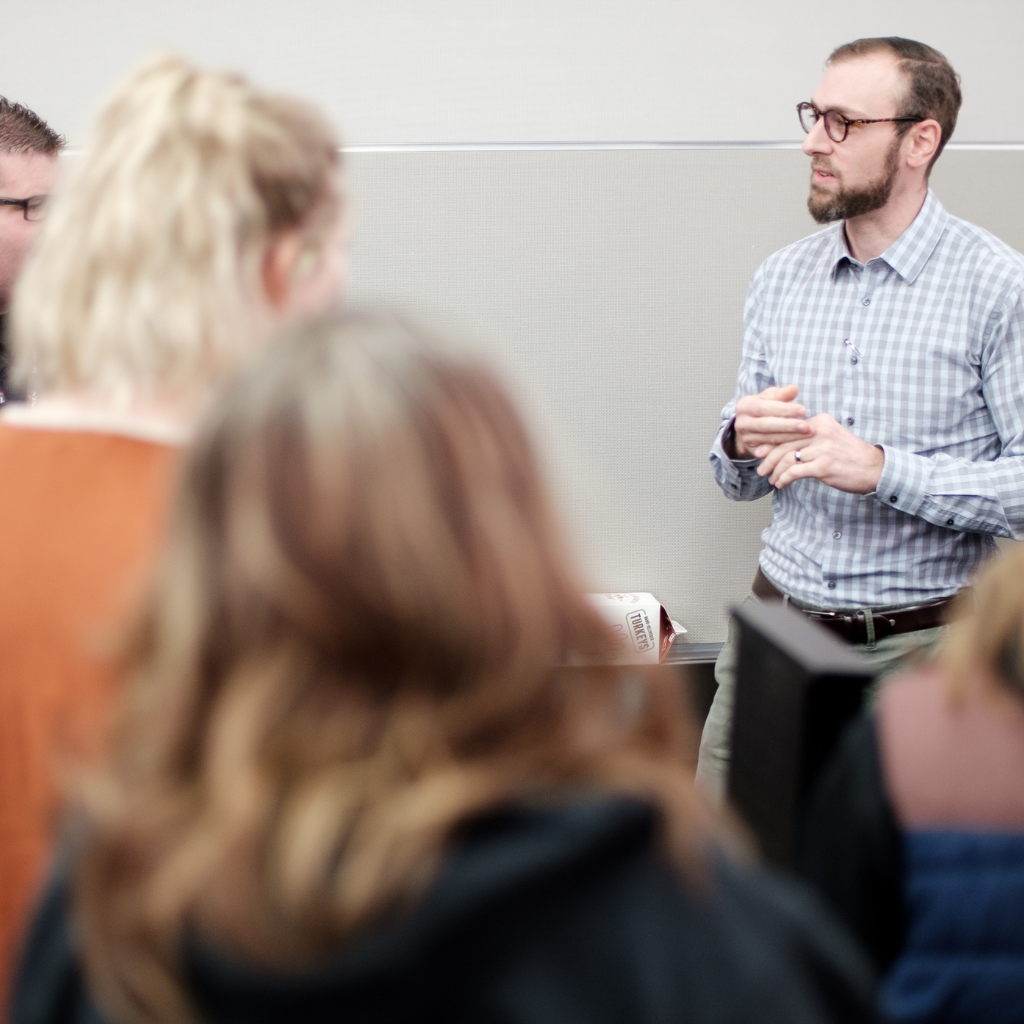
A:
845,203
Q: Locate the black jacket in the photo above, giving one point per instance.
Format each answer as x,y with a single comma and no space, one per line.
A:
852,846
540,916
7,392
5,357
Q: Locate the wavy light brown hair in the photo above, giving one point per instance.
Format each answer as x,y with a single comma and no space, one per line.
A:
352,650
985,640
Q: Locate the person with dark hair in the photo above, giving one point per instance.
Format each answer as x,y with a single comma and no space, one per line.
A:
915,833
351,781
880,397
29,149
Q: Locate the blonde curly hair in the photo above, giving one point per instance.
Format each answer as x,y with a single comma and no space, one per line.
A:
145,281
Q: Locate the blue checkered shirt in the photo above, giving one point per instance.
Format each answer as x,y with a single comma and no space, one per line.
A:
920,351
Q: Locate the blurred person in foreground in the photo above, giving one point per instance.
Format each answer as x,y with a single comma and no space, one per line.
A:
203,217
349,782
29,151
916,832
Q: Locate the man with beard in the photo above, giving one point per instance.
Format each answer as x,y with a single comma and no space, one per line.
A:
880,398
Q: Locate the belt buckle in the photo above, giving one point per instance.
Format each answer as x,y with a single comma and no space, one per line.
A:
846,625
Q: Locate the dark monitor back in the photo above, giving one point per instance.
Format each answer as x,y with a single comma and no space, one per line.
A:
797,686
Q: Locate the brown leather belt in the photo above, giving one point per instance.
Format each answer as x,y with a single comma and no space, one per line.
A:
852,626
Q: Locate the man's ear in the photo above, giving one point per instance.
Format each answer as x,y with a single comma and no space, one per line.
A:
924,141
278,267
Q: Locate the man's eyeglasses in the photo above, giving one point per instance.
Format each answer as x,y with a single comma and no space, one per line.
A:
33,208
837,126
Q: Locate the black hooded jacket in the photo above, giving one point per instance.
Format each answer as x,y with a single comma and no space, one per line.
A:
560,915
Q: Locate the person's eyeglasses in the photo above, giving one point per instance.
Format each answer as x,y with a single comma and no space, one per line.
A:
33,208
837,126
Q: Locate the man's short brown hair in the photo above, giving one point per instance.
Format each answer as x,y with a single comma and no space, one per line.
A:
24,131
933,87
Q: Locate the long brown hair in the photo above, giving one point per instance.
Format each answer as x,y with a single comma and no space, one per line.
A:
352,649
986,640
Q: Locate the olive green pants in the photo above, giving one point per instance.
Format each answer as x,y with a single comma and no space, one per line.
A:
887,656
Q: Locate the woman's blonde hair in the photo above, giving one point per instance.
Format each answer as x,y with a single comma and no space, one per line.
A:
146,277
989,626
353,649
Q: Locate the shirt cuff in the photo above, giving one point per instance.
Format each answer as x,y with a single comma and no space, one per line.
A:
737,475
730,428
904,480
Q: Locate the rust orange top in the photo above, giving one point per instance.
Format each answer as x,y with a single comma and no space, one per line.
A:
81,518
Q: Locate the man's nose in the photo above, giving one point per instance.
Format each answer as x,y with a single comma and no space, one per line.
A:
817,141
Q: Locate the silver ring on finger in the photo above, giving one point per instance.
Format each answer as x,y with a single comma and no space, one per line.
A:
796,455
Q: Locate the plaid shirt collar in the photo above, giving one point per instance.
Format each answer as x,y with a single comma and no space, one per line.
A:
909,254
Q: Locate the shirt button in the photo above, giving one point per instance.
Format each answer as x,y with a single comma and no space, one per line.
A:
894,497
853,360
849,421
867,302
838,533
831,584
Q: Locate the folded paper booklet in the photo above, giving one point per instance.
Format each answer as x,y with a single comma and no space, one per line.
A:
640,630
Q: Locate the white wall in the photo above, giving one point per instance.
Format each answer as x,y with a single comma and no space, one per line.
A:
406,71
611,282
